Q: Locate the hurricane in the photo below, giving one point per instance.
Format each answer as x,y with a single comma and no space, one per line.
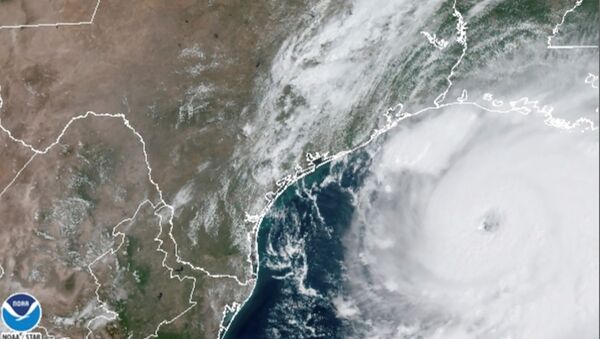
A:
475,225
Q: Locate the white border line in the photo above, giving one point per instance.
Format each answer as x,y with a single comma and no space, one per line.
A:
556,29
158,207
393,117
282,184
58,24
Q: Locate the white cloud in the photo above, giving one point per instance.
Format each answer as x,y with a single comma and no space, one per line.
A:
431,264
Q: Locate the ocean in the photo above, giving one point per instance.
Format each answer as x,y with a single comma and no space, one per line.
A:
301,257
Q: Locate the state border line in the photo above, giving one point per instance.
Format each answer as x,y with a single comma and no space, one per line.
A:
556,29
57,24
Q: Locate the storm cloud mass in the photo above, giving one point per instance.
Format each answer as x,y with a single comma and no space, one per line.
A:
481,223
475,225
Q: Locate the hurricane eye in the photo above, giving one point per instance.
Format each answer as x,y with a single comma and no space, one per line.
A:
491,221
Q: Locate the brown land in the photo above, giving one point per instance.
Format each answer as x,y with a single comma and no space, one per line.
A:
183,73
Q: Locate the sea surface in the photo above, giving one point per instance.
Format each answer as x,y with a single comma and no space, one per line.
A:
301,254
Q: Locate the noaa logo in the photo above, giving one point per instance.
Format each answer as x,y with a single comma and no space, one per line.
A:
21,312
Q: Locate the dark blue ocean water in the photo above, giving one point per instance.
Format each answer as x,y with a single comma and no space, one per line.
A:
301,256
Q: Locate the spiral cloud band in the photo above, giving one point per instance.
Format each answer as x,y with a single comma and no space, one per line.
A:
477,225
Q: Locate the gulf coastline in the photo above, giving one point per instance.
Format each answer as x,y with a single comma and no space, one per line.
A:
315,211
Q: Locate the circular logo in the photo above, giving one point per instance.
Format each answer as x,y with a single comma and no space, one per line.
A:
21,312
